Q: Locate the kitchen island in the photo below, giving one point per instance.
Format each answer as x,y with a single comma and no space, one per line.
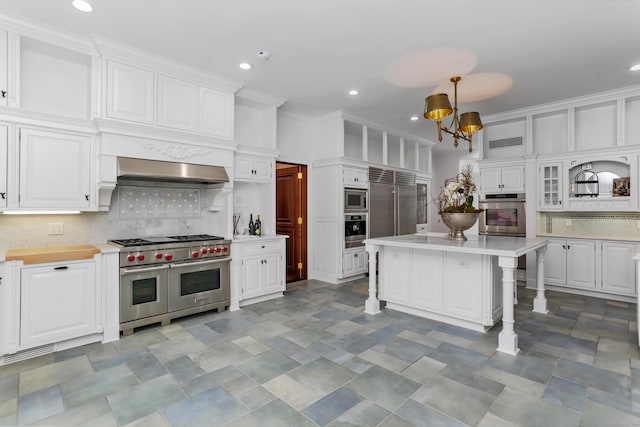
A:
464,283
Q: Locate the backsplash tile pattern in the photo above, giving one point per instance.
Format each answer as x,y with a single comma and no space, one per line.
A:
158,203
600,225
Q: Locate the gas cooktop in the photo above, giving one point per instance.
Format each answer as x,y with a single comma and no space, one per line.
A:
144,241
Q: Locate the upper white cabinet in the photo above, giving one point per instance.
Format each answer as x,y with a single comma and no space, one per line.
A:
550,181
216,112
130,93
355,177
140,94
177,103
253,168
502,179
4,67
55,170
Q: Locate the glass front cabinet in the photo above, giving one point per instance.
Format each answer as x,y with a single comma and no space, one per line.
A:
550,179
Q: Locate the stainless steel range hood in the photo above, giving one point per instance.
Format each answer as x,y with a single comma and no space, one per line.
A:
155,170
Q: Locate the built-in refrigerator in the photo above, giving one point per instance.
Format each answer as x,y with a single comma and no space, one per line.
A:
392,202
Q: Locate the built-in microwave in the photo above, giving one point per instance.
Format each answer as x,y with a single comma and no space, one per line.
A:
355,200
504,214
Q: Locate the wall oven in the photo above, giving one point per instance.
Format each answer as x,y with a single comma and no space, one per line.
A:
162,278
355,230
503,215
355,200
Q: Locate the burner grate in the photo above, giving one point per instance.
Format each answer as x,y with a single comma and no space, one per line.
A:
195,237
131,242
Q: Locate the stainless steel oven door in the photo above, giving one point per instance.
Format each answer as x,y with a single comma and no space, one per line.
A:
505,218
192,284
143,292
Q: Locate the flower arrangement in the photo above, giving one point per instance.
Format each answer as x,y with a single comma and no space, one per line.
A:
457,194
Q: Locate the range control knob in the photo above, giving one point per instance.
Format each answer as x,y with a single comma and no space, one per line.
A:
204,251
225,249
140,257
218,249
130,258
211,250
195,254
168,257
158,255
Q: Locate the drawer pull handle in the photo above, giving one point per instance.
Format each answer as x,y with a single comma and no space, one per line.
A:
62,267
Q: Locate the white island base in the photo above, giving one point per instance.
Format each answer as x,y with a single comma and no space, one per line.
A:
469,284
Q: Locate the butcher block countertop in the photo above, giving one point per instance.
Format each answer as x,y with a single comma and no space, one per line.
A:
51,253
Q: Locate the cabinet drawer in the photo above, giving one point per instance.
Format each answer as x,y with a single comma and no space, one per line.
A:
260,247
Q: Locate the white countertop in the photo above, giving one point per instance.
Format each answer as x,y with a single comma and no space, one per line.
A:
486,245
240,238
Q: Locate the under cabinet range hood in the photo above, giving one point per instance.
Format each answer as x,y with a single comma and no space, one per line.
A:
156,170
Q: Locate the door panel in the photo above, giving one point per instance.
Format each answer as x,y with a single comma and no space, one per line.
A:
407,209
381,210
291,204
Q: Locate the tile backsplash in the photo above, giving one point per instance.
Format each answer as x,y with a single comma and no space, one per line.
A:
602,225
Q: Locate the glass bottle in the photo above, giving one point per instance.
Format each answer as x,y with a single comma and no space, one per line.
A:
258,229
251,225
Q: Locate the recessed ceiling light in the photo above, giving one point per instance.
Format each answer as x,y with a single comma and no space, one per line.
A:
353,92
414,118
245,66
635,67
82,5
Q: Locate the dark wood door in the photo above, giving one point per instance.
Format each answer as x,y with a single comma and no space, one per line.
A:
291,216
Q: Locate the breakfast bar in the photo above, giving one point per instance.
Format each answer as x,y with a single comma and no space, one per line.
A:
464,283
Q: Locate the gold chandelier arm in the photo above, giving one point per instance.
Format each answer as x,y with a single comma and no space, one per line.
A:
440,131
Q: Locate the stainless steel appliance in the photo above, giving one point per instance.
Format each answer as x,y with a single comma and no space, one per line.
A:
162,278
355,230
393,202
355,200
422,200
503,215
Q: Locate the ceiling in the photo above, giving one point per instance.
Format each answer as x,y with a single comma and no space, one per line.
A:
550,49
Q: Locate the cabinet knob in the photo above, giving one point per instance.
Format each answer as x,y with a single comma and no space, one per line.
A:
3,93
564,246
62,267
86,196
3,195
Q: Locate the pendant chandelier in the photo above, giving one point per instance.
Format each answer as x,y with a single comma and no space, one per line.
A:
438,107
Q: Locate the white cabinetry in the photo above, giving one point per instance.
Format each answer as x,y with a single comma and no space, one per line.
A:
591,265
502,179
550,191
177,103
216,112
130,93
259,269
4,67
354,261
354,177
3,166
57,302
252,168
55,170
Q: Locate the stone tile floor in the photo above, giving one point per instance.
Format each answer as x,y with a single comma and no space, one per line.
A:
313,358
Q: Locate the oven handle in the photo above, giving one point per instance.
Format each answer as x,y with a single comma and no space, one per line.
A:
209,261
124,271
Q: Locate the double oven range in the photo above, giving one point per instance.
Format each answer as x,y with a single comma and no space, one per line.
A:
162,278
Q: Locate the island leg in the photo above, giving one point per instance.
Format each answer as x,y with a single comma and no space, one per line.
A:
507,338
540,302
372,304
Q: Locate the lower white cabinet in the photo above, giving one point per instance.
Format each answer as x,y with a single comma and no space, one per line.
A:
601,266
259,269
354,261
57,302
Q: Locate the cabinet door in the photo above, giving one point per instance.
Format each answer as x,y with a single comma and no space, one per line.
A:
581,264
618,268
216,112
130,93
177,101
463,296
490,180
55,170
348,264
513,179
360,262
426,280
3,167
550,192
271,266
251,276
57,303
262,168
555,263
355,177
4,66
253,169
395,268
